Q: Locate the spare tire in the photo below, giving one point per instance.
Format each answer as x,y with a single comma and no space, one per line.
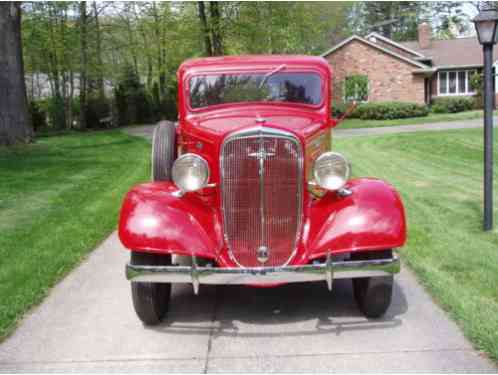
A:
163,151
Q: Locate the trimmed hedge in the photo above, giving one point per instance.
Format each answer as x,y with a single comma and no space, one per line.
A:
384,110
339,109
453,105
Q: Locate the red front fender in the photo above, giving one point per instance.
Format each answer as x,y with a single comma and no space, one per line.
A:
153,219
371,218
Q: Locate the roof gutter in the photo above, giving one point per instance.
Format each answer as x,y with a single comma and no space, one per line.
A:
427,72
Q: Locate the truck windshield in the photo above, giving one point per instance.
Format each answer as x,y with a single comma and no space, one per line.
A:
206,90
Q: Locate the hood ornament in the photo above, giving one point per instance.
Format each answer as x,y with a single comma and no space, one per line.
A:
263,254
260,120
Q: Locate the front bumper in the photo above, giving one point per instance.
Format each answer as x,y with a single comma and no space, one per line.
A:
327,271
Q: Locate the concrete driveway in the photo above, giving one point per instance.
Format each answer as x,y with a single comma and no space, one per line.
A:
87,324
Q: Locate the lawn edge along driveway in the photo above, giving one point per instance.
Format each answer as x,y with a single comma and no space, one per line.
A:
59,198
439,176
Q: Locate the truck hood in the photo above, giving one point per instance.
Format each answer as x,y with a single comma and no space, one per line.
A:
217,125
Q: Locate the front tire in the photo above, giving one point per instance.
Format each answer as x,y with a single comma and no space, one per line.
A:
150,300
373,295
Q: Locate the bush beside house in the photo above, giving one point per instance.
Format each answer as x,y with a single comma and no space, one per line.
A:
400,110
453,105
383,110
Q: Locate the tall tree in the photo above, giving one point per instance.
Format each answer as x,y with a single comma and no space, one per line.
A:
397,20
450,19
216,32
83,64
14,118
98,52
205,28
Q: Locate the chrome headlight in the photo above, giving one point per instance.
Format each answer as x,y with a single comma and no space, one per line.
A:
190,172
331,171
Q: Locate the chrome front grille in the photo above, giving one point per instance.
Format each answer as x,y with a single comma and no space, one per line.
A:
261,181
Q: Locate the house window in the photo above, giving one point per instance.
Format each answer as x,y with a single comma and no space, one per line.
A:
356,88
455,82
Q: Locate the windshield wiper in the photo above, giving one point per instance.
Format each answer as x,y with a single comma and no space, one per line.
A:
269,74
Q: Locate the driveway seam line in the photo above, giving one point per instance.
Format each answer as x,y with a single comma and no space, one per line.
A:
211,332
244,357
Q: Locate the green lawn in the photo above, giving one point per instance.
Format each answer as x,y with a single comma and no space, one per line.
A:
432,117
59,198
440,179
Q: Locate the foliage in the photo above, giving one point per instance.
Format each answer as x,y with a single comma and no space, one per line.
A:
339,109
450,19
356,87
477,85
452,104
389,110
437,175
153,38
62,199
132,102
97,109
38,116
397,20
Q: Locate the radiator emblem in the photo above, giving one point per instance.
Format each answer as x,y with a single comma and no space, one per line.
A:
263,254
261,155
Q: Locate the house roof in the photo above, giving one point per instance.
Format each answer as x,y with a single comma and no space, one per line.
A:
458,52
395,44
376,46
443,54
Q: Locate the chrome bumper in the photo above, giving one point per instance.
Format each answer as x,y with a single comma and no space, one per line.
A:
327,271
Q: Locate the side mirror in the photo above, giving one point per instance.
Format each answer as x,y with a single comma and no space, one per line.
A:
351,108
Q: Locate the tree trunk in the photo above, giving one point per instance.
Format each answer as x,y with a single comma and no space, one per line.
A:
15,124
160,56
205,28
70,99
214,11
58,113
83,64
98,36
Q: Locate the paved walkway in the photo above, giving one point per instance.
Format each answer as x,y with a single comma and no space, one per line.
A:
87,324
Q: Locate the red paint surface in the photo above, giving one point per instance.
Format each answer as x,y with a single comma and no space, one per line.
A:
153,219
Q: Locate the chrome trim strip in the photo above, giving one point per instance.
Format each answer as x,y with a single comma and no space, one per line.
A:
262,210
327,271
261,132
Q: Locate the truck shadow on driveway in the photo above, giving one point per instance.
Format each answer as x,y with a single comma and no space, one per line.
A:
292,310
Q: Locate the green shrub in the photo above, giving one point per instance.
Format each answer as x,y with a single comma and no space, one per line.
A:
453,104
56,114
389,110
477,85
134,105
339,109
356,87
97,108
38,115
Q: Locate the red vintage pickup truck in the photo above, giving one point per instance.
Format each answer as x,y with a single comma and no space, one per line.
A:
246,190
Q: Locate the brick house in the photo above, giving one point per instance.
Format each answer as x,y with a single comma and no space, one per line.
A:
414,71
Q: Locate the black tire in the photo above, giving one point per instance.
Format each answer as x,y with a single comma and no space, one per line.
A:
163,151
373,295
150,300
